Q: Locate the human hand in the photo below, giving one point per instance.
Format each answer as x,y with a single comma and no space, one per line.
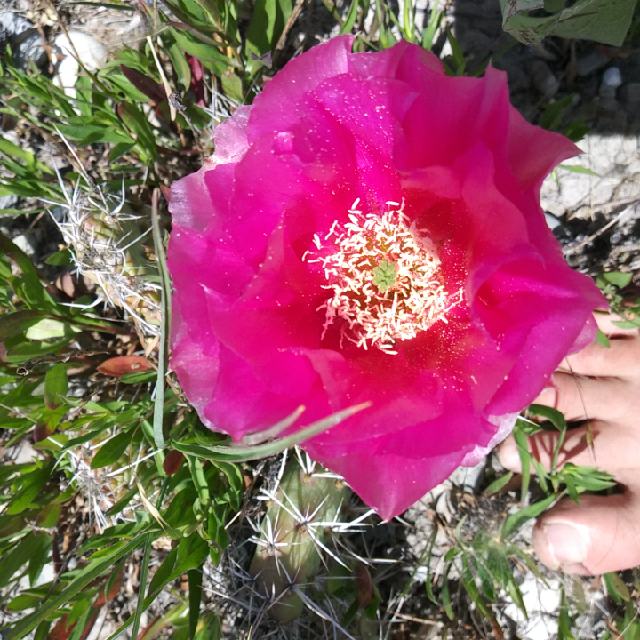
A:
602,386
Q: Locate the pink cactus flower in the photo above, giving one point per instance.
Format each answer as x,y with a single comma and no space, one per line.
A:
369,230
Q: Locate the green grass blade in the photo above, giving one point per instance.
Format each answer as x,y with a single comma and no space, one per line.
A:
165,328
144,574
88,575
194,577
432,26
350,20
242,453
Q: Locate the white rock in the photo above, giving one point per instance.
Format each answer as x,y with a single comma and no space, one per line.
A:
542,603
612,158
25,243
21,34
552,221
612,77
76,49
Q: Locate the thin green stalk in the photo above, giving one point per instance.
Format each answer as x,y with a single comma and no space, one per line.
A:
165,326
144,573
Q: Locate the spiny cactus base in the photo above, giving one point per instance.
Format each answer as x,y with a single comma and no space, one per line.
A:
292,536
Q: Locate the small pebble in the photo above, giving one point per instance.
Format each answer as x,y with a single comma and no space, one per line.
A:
6,202
612,77
23,37
24,243
91,53
611,80
552,221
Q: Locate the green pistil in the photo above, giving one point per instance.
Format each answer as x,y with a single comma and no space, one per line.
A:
384,275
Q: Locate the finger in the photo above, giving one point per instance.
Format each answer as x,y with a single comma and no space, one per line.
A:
619,359
580,398
600,534
607,446
607,324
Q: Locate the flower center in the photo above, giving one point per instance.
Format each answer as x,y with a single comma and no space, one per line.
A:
384,278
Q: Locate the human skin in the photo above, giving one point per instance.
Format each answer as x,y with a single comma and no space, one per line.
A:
600,387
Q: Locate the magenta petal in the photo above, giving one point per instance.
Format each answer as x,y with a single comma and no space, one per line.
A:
251,338
390,474
397,61
230,137
191,203
389,482
504,425
277,108
544,150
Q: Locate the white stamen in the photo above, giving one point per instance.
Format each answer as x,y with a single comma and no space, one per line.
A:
378,312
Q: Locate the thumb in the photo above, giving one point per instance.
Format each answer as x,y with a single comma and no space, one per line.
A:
600,534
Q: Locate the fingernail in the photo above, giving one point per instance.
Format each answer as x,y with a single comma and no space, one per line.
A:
568,544
508,454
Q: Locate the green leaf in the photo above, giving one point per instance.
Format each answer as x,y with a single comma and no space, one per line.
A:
499,483
32,484
27,157
232,85
602,339
516,520
60,258
237,453
180,65
206,53
553,6
577,168
435,17
190,553
111,450
585,478
17,323
267,22
522,445
84,578
408,25
516,595
29,288
211,628
55,385
39,554
138,377
456,63
15,558
444,593
605,21
194,577
469,583
564,620
165,331
350,20
48,329
139,128
86,133
196,469
558,421
618,278
144,573
617,590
